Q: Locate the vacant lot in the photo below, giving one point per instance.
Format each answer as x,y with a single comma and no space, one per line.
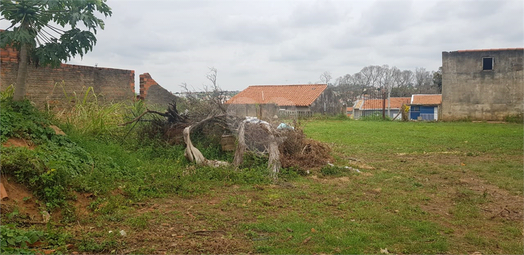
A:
407,188
461,181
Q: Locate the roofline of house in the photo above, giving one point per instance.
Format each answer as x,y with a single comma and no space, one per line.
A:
375,109
481,50
412,97
426,104
282,85
269,103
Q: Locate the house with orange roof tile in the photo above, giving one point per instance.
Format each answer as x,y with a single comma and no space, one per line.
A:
425,107
349,112
368,107
269,100
485,84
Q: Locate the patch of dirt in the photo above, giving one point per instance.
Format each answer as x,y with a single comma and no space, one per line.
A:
57,130
499,202
496,206
177,225
21,200
332,181
82,202
19,142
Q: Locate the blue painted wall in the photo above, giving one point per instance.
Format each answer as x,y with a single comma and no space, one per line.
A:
416,110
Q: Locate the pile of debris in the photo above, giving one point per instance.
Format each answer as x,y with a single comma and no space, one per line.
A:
302,153
284,145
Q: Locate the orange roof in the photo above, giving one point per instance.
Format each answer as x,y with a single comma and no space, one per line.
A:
358,104
283,95
372,104
429,99
349,109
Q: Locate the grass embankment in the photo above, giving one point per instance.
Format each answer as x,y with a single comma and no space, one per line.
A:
422,188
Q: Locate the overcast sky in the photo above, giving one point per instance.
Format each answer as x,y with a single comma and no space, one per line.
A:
293,42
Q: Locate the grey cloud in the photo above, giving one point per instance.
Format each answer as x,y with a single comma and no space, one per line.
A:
250,30
386,17
276,42
298,50
319,13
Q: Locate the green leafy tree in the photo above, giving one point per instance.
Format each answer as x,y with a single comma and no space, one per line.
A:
47,32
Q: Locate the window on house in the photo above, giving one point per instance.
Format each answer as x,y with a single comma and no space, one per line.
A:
487,63
416,108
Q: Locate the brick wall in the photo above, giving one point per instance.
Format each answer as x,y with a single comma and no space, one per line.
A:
51,85
153,93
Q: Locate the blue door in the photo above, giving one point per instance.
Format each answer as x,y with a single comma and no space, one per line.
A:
414,112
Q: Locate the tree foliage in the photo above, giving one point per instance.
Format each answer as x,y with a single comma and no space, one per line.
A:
47,32
373,80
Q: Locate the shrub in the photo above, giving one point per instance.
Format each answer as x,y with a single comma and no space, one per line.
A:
49,168
22,120
16,241
515,118
375,116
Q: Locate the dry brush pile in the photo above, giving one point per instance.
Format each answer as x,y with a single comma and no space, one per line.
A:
282,147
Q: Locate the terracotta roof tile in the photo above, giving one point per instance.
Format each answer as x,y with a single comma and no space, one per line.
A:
283,95
373,104
430,99
358,104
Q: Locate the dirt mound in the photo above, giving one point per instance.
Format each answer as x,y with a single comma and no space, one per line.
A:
20,202
19,142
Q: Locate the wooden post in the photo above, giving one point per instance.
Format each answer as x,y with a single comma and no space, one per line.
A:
383,105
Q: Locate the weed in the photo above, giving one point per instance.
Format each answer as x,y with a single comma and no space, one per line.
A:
15,240
93,246
140,222
334,171
375,116
515,118
22,120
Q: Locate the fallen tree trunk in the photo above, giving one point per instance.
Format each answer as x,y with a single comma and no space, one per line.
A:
191,152
241,145
194,155
273,163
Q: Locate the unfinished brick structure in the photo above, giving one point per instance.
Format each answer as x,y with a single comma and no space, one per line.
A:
47,85
154,94
482,84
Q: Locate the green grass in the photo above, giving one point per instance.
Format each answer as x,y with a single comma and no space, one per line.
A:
343,223
422,188
362,138
493,151
418,164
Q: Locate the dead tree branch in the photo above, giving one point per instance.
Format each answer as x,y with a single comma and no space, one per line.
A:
171,114
142,115
241,145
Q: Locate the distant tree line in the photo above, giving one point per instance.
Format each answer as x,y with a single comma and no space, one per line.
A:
375,81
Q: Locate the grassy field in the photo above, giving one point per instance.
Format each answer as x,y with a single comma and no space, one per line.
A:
396,187
455,179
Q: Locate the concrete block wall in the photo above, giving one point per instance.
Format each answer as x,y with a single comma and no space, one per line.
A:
469,92
261,111
47,85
